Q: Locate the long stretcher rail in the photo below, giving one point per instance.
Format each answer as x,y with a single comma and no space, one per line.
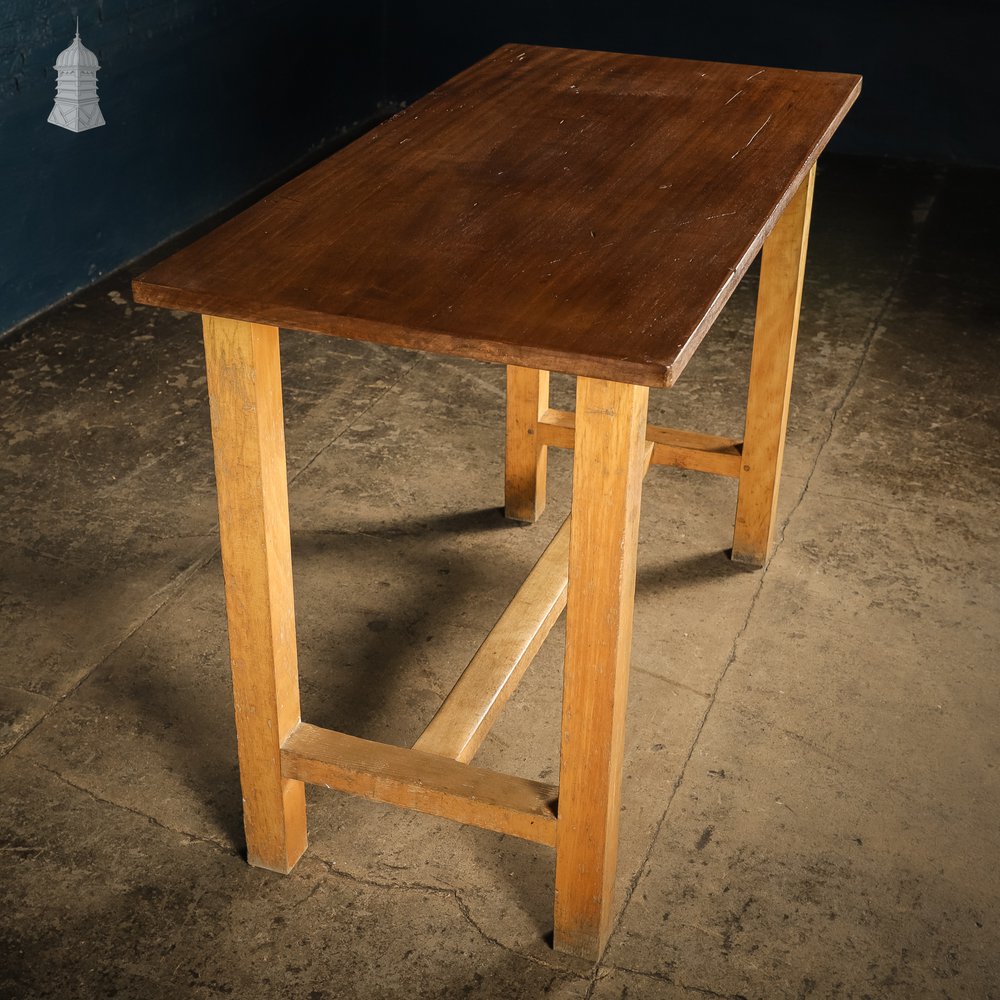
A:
465,717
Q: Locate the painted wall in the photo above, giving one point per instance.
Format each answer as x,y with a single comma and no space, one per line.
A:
207,99
204,101
932,76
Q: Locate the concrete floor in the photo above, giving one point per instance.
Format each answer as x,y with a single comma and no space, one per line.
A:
811,776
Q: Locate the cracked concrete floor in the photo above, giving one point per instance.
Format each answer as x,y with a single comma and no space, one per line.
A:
811,780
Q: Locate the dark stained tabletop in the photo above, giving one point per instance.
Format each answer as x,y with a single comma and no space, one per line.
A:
583,212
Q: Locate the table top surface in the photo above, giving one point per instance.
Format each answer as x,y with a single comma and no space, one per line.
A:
584,212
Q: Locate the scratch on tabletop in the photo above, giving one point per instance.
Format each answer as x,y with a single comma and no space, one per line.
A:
751,139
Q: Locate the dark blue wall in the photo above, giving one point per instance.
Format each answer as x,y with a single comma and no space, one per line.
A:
207,100
932,73
203,100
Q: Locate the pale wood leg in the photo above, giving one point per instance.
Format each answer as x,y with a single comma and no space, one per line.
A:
525,460
608,468
778,298
244,385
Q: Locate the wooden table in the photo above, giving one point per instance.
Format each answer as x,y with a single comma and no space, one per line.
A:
550,210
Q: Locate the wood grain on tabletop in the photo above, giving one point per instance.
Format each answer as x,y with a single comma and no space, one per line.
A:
584,212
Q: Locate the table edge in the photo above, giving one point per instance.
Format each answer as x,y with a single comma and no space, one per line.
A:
475,348
738,273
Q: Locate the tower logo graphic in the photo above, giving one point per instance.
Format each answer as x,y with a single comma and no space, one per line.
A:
76,106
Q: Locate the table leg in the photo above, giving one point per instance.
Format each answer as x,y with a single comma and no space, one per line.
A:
778,298
608,467
525,458
244,386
